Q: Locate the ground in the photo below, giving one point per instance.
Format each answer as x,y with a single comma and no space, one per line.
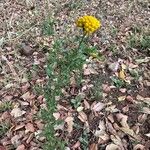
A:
110,109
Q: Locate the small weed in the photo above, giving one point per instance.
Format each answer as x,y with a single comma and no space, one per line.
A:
84,140
113,48
48,27
96,90
114,31
4,127
74,4
118,83
139,39
76,102
4,106
38,89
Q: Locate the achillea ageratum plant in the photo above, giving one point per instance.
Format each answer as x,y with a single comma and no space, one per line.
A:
89,24
60,66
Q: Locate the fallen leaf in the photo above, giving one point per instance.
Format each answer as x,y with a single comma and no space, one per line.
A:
76,145
114,66
93,146
15,140
2,148
80,108
86,104
112,147
82,116
122,119
17,112
21,147
148,134
145,100
89,71
144,60
116,140
139,147
121,98
56,115
98,107
59,126
129,132
146,110
69,120
121,74
122,90
29,127
26,96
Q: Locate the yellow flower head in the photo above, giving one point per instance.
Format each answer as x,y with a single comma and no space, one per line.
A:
89,24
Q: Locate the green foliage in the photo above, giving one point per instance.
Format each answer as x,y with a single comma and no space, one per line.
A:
139,39
61,62
118,83
84,140
4,106
4,127
48,27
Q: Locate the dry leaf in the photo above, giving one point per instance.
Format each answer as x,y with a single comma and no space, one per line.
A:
80,108
148,135
98,107
128,131
93,146
17,112
112,147
15,140
29,127
21,147
82,116
146,110
56,115
121,74
144,60
139,147
76,145
114,66
122,119
116,140
26,96
69,121
86,104
121,98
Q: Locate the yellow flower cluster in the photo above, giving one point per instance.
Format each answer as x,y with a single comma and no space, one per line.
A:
89,24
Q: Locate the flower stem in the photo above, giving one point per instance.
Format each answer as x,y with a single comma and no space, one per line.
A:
81,41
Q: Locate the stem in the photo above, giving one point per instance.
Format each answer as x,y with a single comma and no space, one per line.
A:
81,41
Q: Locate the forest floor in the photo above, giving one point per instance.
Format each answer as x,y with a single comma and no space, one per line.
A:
110,109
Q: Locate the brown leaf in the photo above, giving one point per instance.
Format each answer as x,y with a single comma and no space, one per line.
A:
26,96
30,138
112,147
93,146
121,74
2,148
76,145
56,115
98,107
86,104
82,116
139,147
17,112
21,147
29,127
121,98
69,120
15,140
